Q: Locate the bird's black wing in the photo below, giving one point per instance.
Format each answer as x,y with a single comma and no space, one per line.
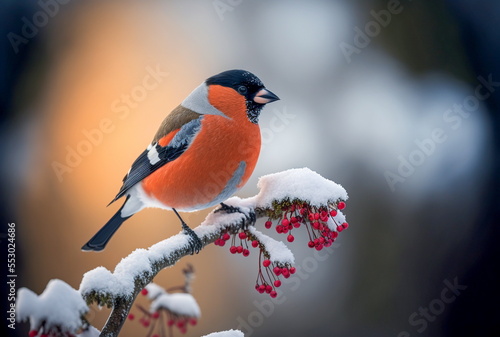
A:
155,156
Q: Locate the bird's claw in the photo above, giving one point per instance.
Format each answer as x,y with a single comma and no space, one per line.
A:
194,241
250,217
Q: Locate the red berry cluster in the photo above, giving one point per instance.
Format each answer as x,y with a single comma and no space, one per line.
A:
314,219
159,319
268,281
236,247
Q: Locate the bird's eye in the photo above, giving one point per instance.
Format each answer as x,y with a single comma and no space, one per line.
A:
242,89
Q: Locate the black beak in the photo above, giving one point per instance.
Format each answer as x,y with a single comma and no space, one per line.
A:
264,96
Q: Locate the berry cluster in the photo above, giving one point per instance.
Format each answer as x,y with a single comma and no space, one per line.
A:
162,318
314,219
268,281
322,228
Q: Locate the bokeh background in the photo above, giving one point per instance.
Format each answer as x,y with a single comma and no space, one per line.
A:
353,108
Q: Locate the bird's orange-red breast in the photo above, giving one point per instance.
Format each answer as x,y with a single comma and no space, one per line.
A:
203,152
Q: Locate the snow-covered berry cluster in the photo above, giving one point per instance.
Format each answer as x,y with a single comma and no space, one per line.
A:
167,311
163,318
323,224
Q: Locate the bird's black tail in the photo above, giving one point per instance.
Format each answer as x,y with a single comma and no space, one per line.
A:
101,238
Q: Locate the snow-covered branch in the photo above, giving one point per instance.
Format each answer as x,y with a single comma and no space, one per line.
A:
288,201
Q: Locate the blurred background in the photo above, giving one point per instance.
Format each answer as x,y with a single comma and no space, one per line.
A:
395,100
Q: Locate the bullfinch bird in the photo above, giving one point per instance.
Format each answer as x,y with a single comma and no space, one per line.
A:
203,152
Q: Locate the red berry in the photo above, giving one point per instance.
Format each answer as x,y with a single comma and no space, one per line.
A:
334,235
242,235
155,315
226,236
277,271
345,225
144,291
233,249
277,283
273,294
145,323
315,225
181,324
341,205
316,216
340,228
293,219
290,238
193,321
285,272
333,212
284,229
279,229
319,247
269,288
292,270
130,317
268,224
246,252
262,288
239,249
266,263
285,222
171,322
311,244
255,243
296,225
33,333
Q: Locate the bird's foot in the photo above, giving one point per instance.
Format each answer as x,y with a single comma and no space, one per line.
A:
194,241
249,216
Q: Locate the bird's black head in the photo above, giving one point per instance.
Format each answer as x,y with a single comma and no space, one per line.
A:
247,85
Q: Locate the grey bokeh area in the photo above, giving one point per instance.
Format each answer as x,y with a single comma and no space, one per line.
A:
395,100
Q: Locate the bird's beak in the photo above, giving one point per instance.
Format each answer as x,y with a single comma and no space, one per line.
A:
264,96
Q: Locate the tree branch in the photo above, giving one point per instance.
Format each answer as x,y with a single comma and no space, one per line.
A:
171,249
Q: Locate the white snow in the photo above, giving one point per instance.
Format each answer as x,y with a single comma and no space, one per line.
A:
137,264
228,333
303,184
181,304
277,250
59,305
154,291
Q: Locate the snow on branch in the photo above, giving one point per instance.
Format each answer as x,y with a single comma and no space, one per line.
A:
58,311
289,200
